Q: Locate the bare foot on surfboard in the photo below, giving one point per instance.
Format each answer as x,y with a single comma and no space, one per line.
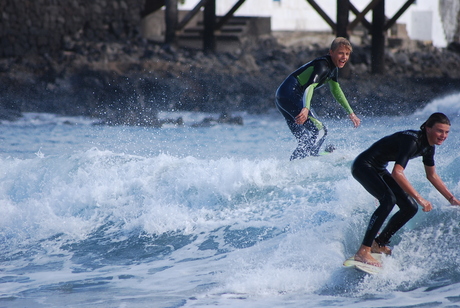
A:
376,248
364,255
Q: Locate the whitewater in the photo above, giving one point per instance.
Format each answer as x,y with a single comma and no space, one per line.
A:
184,216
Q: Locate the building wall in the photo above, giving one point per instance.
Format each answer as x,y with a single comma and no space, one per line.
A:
44,26
299,15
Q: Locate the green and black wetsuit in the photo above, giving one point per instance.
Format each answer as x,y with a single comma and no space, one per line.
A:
296,92
369,169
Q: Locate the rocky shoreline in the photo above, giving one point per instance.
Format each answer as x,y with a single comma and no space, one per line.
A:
129,83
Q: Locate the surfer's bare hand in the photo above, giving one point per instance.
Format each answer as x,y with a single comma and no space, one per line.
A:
356,121
454,201
302,116
426,205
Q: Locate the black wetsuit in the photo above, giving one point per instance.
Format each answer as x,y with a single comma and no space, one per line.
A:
295,93
369,169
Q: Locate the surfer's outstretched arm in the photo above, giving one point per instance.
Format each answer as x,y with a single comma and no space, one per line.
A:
437,182
337,92
400,178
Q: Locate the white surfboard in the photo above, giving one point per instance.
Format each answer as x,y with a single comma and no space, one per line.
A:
367,268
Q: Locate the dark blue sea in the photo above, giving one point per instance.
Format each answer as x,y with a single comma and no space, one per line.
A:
185,216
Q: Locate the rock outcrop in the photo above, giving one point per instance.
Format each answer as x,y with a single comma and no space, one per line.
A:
129,83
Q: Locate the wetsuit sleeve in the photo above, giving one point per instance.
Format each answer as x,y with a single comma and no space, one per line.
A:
428,158
407,149
339,96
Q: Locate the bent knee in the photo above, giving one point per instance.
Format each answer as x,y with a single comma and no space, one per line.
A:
409,207
388,199
412,207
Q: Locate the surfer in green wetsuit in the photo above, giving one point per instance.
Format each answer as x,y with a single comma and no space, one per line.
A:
369,169
293,97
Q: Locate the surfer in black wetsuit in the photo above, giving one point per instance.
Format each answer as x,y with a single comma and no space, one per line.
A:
294,95
369,169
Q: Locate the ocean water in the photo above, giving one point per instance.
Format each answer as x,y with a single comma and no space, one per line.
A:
98,216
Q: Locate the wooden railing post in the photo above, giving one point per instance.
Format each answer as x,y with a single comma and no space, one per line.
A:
171,19
343,9
209,20
378,39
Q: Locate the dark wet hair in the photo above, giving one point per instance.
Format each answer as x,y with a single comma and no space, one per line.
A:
436,117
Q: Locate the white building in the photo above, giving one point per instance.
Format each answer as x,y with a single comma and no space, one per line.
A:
422,19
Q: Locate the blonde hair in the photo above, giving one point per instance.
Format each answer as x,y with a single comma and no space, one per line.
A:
341,41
